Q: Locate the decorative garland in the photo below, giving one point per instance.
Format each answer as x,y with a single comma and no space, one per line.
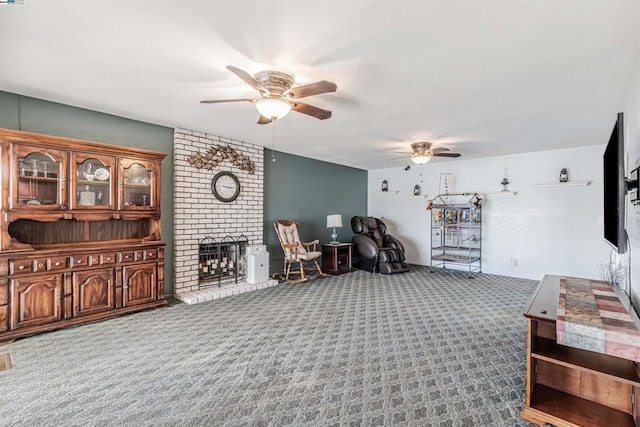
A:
217,154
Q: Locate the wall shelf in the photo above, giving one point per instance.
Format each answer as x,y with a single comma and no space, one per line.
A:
420,196
385,192
562,184
503,193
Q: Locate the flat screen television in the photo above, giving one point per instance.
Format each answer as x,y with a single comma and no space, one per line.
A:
615,188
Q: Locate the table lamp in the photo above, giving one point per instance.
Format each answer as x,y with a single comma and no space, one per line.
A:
334,221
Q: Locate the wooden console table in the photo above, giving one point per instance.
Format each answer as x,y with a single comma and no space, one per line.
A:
336,259
570,387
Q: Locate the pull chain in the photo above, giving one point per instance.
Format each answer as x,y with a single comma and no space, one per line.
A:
273,140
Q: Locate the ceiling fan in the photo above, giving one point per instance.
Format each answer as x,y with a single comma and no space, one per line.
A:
278,96
422,152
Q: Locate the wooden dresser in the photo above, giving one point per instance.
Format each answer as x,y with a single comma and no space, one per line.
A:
80,236
567,386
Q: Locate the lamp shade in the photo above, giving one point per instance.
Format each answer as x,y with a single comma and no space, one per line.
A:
420,159
271,108
334,221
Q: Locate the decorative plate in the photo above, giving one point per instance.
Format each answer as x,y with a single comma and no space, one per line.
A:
102,174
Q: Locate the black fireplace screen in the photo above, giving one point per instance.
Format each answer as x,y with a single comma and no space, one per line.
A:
221,261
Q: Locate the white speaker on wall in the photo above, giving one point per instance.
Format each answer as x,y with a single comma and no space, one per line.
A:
257,264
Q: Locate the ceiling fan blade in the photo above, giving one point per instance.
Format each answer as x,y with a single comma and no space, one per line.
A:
439,149
248,78
316,88
310,110
218,101
403,152
446,154
264,120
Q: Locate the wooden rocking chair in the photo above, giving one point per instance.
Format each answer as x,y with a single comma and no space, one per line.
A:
296,251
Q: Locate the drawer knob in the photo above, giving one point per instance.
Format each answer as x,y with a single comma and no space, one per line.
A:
40,265
79,261
58,263
108,258
21,267
127,256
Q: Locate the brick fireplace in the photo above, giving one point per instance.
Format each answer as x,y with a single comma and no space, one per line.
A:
198,214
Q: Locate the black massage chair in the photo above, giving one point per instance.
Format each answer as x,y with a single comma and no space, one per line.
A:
377,250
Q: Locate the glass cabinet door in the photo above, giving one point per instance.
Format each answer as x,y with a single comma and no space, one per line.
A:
40,182
139,185
92,187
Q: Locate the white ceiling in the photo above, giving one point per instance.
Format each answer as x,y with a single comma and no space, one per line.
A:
483,78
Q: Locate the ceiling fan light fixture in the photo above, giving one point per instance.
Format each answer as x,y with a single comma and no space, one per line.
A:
420,158
273,108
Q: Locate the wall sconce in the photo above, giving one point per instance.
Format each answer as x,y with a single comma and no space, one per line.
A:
334,221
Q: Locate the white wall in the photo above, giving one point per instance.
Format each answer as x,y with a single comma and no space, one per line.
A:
632,138
548,230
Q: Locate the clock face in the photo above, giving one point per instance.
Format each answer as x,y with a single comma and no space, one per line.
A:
225,186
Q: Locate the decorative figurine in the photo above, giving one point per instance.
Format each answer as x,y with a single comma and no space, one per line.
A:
505,182
416,190
564,175
385,185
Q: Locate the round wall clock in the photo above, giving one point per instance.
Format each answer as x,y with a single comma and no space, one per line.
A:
225,186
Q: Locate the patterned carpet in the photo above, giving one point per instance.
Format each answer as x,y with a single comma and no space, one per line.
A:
414,349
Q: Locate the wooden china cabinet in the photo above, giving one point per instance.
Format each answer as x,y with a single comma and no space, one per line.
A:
80,233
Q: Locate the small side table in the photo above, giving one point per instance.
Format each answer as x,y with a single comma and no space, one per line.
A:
336,259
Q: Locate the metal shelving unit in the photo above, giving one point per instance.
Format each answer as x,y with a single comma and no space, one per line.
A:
456,232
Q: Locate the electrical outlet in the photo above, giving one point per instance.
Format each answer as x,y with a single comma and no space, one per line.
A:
513,262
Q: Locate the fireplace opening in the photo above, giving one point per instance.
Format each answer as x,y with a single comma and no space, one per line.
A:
221,261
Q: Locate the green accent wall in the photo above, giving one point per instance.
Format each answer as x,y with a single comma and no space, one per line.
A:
35,115
308,190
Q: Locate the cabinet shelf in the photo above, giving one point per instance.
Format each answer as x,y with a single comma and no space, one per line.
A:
565,409
617,369
377,193
87,182
39,178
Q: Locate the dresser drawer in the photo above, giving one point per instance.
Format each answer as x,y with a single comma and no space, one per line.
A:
57,263
151,254
127,256
108,258
79,260
21,266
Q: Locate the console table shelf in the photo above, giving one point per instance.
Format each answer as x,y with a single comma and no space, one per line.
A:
588,361
568,386
564,410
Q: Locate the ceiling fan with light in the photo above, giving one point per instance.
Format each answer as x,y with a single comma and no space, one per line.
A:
422,152
278,96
